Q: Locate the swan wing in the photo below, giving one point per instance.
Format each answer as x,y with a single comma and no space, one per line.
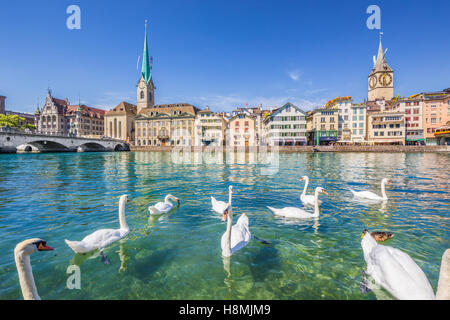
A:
366,195
240,234
218,206
397,272
97,240
292,212
308,200
160,207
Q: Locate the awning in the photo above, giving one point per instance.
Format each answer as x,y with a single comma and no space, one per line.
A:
328,138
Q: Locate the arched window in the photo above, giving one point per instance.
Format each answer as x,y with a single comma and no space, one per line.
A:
142,95
149,96
115,128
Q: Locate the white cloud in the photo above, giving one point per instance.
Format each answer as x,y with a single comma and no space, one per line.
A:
294,75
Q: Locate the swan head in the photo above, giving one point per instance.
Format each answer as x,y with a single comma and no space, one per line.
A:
386,180
31,246
224,215
124,198
230,189
364,233
321,190
304,178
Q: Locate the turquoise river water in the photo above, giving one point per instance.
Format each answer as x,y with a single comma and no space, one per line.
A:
178,255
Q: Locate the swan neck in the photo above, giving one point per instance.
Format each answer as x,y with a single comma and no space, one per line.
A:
383,189
227,247
123,222
316,203
26,278
305,187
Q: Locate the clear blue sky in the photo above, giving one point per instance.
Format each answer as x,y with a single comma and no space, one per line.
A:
218,53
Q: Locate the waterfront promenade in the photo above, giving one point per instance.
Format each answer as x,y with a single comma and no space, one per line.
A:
287,149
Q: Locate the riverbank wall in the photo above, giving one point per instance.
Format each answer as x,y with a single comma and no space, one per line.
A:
340,148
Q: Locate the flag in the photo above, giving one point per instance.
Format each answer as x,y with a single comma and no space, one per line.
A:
246,104
137,64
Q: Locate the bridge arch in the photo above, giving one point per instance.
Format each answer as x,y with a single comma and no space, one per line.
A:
48,146
91,147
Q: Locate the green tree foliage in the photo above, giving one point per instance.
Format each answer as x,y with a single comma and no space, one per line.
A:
14,121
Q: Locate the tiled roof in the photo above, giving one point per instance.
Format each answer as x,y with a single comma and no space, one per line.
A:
123,108
88,111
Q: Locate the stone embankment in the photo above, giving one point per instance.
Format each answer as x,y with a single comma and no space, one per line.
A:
343,148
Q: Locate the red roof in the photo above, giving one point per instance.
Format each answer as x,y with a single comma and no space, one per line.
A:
87,111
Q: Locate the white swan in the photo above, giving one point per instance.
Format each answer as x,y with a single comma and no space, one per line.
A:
103,237
304,198
236,237
395,271
219,206
163,207
22,256
293,212
373,196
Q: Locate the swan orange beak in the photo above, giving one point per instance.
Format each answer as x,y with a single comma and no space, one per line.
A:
301,179
389,181
43,247
224,216
323,191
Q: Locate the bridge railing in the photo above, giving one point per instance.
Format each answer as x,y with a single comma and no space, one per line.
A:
11,130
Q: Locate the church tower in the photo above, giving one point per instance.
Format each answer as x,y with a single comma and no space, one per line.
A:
381,78
145,86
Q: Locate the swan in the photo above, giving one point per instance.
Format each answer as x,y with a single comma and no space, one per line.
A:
236,237
395,270
163,207
103,237
372,196
304,198
293,212
22,254
219,206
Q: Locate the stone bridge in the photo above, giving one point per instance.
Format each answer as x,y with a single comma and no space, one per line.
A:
30,142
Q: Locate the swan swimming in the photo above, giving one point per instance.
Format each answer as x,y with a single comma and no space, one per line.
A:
103,237
293,212
304,198
395,270
373,196
22,254
236,237
163,207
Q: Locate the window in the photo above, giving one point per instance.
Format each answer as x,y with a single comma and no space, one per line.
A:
433,120
360,131
142,95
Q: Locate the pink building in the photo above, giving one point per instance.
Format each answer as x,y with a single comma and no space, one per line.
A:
436,113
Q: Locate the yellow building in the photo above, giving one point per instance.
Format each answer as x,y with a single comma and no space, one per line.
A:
166,125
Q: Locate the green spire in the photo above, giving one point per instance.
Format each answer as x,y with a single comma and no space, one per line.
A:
146,69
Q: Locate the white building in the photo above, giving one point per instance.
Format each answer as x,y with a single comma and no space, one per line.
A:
286,126
358,122
209,128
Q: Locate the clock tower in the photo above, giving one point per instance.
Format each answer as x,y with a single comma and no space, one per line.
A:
381,78
145,86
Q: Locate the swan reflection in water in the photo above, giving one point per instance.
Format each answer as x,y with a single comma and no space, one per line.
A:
80,258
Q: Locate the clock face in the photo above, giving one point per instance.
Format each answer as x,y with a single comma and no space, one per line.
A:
141,85
372,82
385,79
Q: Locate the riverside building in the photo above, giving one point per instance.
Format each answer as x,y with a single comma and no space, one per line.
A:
210,128
286,126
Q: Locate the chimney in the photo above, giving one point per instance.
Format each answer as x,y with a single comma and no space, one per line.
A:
2,105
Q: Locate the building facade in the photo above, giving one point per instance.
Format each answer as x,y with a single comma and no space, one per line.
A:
358,124
52,120
166,125
436,113
242,131
210,128
286,126
385,124
325,123
413,109
119,122
86,121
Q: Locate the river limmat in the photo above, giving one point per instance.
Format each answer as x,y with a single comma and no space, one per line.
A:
178,255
